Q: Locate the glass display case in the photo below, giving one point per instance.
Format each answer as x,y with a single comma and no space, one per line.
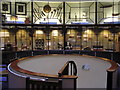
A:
89,38
56,40
105,39
16,12
117,39
6,43
39,40
73,39
80,12
83,25
23,40
47,12
108,12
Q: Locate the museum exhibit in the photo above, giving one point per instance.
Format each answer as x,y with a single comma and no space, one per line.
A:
57,45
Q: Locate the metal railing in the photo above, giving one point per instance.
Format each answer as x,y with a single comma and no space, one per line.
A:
69,68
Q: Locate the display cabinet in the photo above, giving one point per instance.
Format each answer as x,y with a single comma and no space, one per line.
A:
47,12
39,40
108,12
38,35
80,25
16,12
105,39
117,39
6,39
80,12
73,38
89,38
56,37
23,40
56,40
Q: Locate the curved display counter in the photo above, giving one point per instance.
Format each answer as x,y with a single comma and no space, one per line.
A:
92,72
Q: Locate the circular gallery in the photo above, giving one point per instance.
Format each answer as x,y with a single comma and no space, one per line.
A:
75,71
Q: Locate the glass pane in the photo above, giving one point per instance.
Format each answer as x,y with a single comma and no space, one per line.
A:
80,12
23,40
117,40
89,39
19,13
39,40
105,39
108,13
56,41
47,13
73,40
6,43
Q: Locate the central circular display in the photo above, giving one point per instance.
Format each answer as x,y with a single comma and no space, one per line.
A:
50,65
